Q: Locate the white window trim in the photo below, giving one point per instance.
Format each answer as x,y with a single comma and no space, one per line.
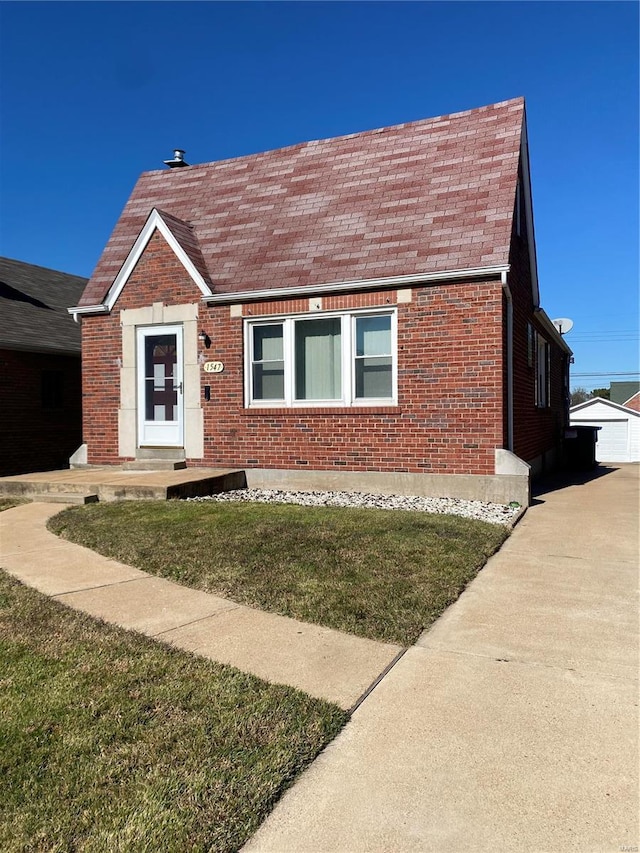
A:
543,372
348,399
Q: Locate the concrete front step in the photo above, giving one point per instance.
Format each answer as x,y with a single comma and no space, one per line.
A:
154,465
63,498
115,484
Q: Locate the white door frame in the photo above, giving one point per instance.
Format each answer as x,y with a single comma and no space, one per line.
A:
156,431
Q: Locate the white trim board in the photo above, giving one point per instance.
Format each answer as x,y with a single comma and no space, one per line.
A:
528,206
154,221
401,281
388,282
617,407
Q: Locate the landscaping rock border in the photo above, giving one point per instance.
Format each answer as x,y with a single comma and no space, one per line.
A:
492,513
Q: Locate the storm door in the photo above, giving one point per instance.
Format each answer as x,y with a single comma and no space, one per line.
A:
160,392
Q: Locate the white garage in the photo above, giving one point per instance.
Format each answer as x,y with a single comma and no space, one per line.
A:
619,434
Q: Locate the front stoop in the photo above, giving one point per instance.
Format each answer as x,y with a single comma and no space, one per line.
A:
75,498
115,484
154,465
157,459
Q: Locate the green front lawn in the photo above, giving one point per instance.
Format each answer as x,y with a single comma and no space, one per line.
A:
9,503
381,574
110,741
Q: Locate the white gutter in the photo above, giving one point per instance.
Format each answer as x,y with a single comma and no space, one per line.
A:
79,310
543,317
507,293
357,284
331,287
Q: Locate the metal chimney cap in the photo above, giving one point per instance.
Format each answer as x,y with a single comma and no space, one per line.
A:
178,159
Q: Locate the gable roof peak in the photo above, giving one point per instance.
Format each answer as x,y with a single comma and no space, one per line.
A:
181,239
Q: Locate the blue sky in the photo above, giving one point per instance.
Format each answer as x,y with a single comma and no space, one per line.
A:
94,93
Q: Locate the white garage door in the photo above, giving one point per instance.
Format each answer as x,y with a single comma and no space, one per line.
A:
613,440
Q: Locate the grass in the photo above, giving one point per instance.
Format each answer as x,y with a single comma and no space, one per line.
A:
112,742
381,574
9,503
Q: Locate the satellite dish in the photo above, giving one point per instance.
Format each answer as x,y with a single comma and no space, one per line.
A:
563,325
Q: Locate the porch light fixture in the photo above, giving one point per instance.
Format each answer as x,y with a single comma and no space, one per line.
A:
204,337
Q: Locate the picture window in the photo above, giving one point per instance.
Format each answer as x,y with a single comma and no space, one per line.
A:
345,359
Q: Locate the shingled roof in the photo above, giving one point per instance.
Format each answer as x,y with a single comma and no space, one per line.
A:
33,308
425,197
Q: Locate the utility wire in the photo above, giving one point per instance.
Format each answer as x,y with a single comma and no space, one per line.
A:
630,373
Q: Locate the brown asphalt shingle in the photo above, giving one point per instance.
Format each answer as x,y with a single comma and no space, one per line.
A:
423,197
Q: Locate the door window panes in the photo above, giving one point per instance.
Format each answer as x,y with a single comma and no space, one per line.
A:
161,395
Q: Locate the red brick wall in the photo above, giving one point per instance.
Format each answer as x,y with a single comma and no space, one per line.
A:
536,430
449,417
158,277
101,357
449,413
34,437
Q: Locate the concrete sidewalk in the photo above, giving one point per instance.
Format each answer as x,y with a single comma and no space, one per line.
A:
325,663
513,724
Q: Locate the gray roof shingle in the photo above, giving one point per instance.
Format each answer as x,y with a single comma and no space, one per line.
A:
33,308
620,392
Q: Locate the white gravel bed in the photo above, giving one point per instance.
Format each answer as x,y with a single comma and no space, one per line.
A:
493,513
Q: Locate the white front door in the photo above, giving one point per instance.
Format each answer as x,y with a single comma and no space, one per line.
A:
160,392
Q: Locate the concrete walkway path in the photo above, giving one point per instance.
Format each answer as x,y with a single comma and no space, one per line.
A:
513,724
325,663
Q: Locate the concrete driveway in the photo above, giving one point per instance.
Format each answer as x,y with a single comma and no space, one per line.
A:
513,724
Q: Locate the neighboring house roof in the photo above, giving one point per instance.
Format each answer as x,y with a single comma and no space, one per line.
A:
581,407
633,402
430,196
33,308
620,392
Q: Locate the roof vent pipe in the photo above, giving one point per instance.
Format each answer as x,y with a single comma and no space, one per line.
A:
178,159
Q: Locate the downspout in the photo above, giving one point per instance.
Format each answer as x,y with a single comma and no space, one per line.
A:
507,293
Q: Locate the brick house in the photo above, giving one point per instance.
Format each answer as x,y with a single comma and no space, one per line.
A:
359,312
41,423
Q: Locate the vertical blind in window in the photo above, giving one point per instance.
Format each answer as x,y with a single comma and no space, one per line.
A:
318,362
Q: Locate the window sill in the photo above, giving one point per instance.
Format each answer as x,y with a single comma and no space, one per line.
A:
305,411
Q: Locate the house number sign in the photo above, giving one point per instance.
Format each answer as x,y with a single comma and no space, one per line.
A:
213,367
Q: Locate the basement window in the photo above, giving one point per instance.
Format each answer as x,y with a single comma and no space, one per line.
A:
345,359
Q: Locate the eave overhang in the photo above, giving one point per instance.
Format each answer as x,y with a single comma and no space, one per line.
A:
41,349
551,330
385,283
619,407
528,206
